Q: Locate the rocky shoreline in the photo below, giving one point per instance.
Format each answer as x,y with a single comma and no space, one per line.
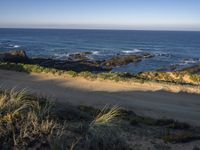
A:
81,62
77,62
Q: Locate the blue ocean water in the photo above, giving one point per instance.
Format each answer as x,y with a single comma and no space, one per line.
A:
179,48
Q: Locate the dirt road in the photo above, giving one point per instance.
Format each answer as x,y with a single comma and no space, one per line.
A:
150,102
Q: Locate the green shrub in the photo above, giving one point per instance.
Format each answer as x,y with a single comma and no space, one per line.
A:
72,73
46,70
110,76
140,78
87,75
195,78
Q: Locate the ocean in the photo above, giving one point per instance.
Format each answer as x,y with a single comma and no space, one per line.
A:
171,48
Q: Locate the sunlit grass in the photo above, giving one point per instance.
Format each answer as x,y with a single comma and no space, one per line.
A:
165,77
107,116
99,129
24,118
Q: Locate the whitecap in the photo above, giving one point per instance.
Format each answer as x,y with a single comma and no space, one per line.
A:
163,54
95,52
187,62
61,56
132,51
16,46
12,46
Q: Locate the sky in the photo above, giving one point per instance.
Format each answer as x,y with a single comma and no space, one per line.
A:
101,14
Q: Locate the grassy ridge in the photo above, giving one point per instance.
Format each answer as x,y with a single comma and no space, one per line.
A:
176,77
31,122
181,78
29,68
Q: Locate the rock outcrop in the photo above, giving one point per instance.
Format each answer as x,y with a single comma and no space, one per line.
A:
125,59
17,56
78,62
192,69
78,66
79,56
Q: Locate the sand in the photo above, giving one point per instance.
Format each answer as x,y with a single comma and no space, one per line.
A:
144,99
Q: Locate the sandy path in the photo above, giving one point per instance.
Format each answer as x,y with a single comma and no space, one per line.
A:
143,100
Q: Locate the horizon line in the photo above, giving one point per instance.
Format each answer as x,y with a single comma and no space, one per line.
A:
115,29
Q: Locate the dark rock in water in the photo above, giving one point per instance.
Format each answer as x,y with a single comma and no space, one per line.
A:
192,69
147,55
170,68
125,59
78,66
17,56
165,54
121,60
79,56
74,64
87,53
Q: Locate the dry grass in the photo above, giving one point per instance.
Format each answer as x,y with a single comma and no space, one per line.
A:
106,116
27,122
97,133
24,121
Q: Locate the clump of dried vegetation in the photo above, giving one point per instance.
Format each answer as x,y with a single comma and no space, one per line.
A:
28,122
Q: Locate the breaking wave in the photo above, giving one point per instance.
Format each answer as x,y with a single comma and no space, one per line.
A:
132,51
189,61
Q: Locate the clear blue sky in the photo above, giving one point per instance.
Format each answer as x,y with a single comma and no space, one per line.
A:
106,14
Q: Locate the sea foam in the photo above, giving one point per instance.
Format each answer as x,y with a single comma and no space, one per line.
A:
187,62
61,56
132,51
16,46
95,52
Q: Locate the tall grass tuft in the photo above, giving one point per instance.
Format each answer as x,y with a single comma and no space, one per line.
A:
106,116
25,122
101,133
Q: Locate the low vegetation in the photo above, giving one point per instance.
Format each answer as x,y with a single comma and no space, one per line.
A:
161,77
25,122
183,77
29,68
28,122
